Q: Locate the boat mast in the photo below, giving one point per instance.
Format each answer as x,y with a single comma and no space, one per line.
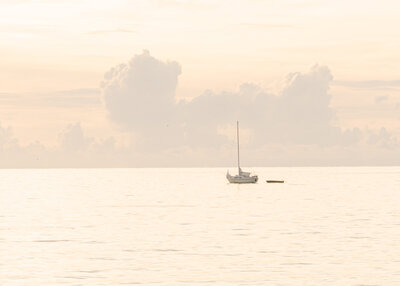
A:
237,134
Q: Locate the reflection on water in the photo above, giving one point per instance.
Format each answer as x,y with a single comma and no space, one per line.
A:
324,226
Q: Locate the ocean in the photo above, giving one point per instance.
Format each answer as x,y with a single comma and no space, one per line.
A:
323,226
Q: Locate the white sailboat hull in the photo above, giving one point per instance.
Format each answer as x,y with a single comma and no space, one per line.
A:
238,179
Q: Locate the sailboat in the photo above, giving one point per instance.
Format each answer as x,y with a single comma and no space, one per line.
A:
241,177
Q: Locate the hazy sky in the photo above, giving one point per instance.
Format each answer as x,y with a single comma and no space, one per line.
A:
162,83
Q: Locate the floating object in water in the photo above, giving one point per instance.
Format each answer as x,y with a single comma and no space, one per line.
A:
275,181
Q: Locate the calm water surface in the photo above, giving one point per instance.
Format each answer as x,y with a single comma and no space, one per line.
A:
324,226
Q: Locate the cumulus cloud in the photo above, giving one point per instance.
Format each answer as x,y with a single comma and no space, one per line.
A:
13,155
6,138
300,114
383,138
140,96
296,126
142,89
75,149
73,140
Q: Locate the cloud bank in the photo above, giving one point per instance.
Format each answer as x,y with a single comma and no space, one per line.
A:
140,97
295,127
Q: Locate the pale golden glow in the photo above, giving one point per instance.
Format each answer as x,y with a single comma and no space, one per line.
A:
51,46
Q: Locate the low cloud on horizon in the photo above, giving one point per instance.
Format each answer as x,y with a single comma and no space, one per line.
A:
296,127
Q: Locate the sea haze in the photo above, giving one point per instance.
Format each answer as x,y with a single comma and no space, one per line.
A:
323,226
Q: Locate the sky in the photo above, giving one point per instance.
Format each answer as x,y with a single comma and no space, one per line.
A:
156,83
